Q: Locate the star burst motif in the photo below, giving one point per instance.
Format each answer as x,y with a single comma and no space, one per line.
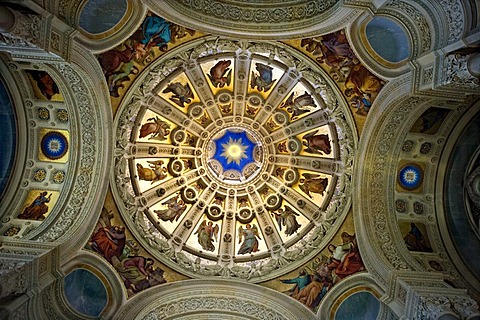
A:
234,151
410,176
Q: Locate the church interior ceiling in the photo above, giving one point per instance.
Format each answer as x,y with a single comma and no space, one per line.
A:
234,159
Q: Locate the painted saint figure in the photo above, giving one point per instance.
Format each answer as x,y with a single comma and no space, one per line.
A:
156,32
415,240
157,128
138,273
313,183
155,172
220,74
206,233
264,80
47,86
296,107
250,242
37,209
173,212
345,259
317,143
109,241
181,94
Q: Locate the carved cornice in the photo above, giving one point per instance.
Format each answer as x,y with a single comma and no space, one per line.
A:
37,37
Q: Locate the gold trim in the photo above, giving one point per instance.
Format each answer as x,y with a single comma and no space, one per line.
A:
374,54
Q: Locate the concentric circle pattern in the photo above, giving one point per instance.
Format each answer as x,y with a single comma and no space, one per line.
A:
234,156
233,159
410,176
54,145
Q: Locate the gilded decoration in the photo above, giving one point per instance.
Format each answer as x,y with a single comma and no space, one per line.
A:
242,160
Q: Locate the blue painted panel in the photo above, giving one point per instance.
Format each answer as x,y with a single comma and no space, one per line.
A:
239,139
8,138
85,292
388,39
358,306
99,16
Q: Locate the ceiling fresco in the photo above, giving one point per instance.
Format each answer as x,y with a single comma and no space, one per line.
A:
233,159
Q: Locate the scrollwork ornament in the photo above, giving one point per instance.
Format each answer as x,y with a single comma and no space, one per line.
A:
255,310
432,306
199,195
83,181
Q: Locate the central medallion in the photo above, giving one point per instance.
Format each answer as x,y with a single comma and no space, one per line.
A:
234,155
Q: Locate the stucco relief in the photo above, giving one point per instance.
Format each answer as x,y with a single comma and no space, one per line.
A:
420,21
137,207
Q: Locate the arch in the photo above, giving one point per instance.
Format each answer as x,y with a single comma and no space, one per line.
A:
194,299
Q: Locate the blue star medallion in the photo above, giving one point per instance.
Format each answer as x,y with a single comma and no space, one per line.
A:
235,155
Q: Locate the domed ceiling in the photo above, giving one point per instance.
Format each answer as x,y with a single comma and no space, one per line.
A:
229,154
233,158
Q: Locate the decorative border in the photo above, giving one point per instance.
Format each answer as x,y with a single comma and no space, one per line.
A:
131,208
201,297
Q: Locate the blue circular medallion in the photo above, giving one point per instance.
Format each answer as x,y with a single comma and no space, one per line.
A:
410,176
234,155
54,145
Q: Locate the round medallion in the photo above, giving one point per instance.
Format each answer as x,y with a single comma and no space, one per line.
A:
54,145
410,177
234,155
201,174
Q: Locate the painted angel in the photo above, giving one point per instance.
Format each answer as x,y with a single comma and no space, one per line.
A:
181,94
250,241
297,106
156,127
264,80
173,212
155,172
317,143
288,218
207,232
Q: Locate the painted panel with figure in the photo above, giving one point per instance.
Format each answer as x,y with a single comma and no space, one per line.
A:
122,63
110,241
38,205
334,53
43,85
316,278
430,121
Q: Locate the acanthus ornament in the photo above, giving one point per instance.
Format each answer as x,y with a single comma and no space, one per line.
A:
253,310
14,278
432,306
83,180
457,73
277,12
455,17
26,32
